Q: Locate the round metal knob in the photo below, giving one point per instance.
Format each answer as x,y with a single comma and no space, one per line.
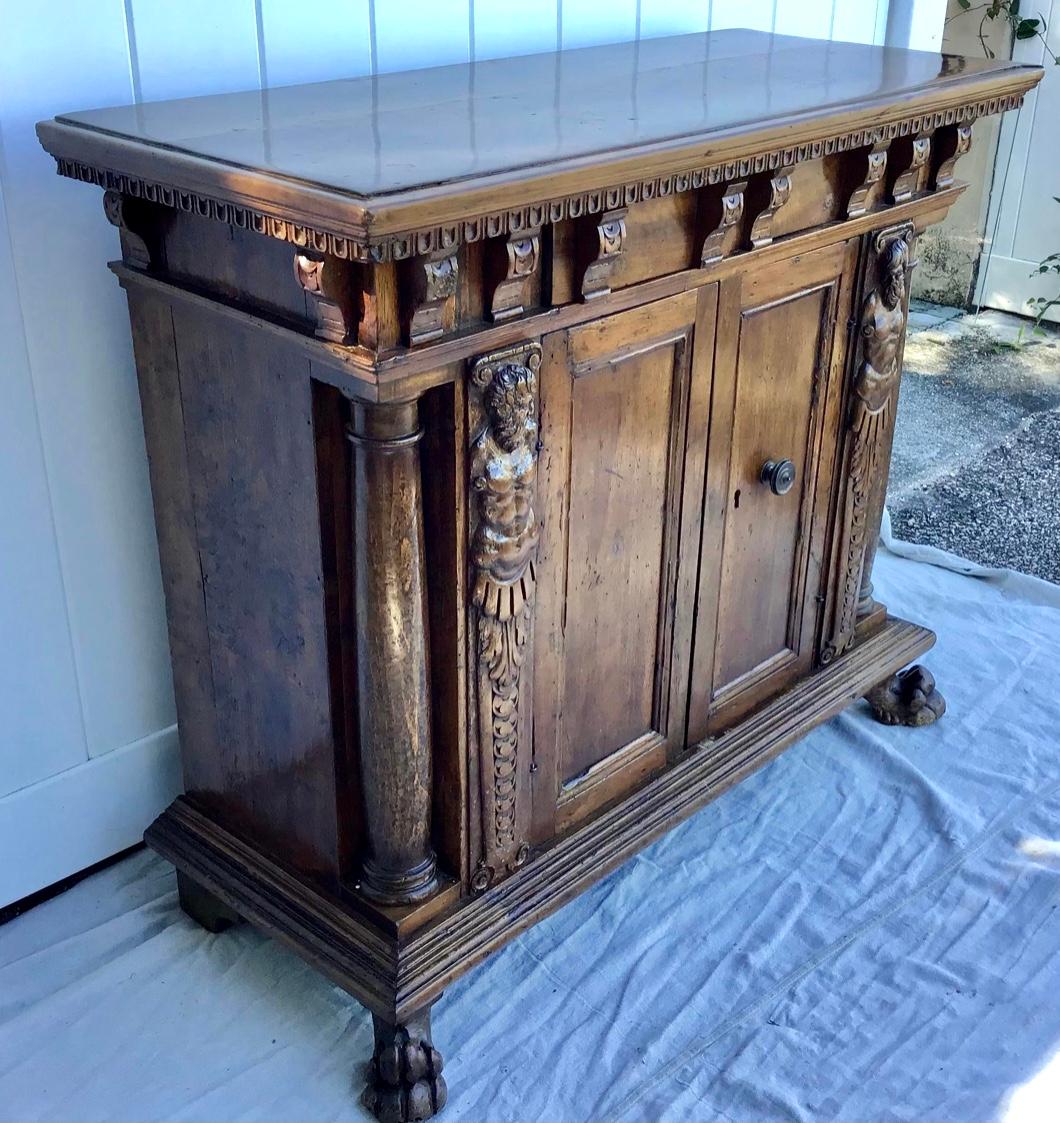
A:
780,475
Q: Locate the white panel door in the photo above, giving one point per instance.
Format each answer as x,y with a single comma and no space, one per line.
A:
1023,210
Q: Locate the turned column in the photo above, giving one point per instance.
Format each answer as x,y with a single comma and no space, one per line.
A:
393,704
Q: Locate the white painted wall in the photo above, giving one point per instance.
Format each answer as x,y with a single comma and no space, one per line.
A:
87,736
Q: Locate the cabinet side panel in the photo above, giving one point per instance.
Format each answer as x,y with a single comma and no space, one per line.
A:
268,771
189,642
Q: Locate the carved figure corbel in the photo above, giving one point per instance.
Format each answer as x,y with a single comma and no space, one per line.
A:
869,430
503,423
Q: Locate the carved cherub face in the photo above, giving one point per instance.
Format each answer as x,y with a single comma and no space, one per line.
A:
896,258
509,400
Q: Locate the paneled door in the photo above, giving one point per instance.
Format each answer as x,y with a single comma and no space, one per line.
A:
773,434
620,507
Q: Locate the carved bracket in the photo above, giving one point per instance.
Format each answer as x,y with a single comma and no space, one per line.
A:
611,239
510,297
123,213
434,300
870,427
779,193
953,143
866,195
724,237
912,178
328,284
503,427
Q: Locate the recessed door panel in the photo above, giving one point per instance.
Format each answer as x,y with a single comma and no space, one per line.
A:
620,515
777,364
773,429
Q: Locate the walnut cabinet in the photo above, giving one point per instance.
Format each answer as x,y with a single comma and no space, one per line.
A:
518,437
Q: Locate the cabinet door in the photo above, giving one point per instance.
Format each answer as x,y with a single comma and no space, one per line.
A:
620,507
777,382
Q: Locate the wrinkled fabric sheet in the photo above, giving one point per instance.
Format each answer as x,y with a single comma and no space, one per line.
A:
866,929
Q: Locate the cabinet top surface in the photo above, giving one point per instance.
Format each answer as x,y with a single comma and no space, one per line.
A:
449,131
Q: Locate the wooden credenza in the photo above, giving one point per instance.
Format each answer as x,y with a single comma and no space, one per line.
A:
518,437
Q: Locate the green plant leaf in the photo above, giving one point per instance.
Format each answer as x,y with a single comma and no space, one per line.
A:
1027,28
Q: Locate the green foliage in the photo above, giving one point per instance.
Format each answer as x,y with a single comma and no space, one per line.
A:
1022,27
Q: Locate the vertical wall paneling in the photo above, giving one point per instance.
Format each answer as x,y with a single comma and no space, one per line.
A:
314,42
77,339
195,47
415,33
585,23
756,14
1024,220
41,732
503,28
857,21
812,18
674,17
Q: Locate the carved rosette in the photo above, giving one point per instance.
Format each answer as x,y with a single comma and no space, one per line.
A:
870,424
503,427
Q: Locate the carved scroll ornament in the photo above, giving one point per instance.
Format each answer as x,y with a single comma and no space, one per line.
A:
882,330
503,408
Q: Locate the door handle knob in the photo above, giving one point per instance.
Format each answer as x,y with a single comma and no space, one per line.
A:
779,474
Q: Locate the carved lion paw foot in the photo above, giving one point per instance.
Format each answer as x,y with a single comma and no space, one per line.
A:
907,698
405,1080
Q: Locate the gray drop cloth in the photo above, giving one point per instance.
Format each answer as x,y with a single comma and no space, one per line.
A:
867,929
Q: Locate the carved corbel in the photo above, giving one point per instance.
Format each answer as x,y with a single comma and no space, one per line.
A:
433,300
912,178
779,193
867,193
868,434
332,296
126,215
503,427
611,238
953,143
511,296
723,238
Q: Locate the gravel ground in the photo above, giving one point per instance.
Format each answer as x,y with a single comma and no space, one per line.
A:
1003,510
976,464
